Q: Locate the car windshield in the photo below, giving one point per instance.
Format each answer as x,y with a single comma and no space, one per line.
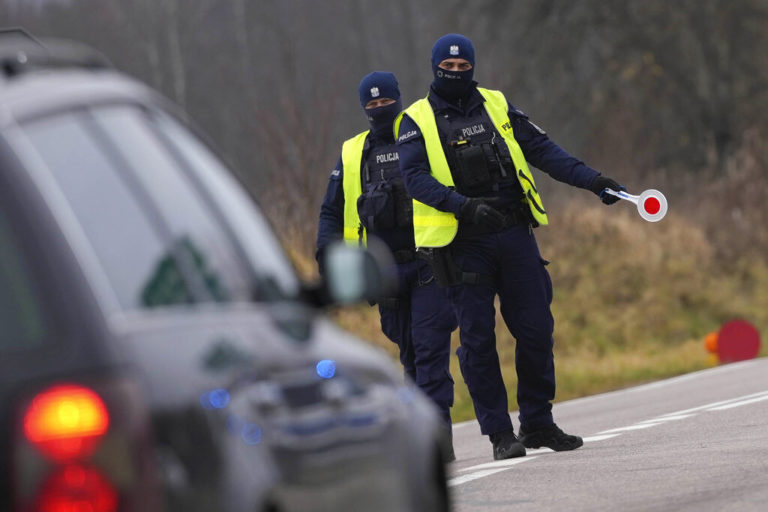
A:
164,218
247,223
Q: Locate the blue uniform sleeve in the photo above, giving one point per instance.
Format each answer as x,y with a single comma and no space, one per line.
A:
544,154
414,167
331,224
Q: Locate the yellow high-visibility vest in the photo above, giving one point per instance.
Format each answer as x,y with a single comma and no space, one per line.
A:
352,160
435,228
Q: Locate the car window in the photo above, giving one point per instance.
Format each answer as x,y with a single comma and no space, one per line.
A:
138,262
191,222
248,224
22,323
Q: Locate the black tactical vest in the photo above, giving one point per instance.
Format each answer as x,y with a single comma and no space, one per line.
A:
477,155
384,203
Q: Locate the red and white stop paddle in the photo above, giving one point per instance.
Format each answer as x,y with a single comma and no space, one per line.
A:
651,204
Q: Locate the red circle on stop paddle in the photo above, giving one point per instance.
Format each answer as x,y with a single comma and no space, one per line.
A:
737,340
652,205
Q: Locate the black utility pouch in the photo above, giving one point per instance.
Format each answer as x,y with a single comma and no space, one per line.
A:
445,270
376,207
472,173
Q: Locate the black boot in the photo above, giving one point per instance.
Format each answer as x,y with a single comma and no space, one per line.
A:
551,437
506,445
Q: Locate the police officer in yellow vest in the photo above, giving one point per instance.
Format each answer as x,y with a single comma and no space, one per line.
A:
366,197
463,154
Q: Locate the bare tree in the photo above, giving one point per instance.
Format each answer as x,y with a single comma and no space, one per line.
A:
629,86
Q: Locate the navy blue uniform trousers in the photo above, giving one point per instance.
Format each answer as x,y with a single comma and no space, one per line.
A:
520,278
421,326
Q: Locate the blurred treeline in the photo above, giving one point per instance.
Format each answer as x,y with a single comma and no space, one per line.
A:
659,94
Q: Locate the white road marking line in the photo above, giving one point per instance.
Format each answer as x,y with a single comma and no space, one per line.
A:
648,423
472,476
673,416
499,464
738,404
715,404
666,417
592,439
637,426
490,468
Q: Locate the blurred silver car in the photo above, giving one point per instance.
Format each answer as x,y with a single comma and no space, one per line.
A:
157,350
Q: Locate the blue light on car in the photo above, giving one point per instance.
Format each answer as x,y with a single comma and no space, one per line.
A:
215,399
219,398
326,368
251,433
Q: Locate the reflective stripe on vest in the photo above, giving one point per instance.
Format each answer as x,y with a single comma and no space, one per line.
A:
352,159
434,228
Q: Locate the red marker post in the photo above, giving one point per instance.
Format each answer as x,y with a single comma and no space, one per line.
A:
737,340
651,204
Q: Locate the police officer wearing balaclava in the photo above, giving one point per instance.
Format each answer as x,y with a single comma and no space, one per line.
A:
464,154
366,197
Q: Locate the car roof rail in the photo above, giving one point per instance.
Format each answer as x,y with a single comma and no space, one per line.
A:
20,33
20,51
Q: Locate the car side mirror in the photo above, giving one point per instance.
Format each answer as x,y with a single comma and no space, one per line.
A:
354,274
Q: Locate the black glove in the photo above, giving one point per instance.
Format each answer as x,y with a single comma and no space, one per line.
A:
478,210
600,184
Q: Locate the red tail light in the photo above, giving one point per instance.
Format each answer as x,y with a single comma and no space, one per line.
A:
77,488
84,447
66,422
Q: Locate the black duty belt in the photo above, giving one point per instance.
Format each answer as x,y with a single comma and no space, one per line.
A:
512,218
515,217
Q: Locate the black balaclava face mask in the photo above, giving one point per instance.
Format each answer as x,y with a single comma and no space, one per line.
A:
452,85
380,84
382,119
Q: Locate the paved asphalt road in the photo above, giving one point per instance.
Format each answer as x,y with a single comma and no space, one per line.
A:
698,442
